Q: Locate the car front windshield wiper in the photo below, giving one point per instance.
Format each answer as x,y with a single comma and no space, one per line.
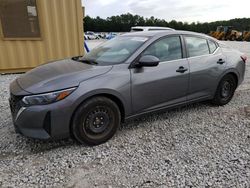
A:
88,61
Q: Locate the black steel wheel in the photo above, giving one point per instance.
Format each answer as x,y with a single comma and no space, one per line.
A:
225,90
96,121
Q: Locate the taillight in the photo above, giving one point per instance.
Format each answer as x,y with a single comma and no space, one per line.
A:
244,58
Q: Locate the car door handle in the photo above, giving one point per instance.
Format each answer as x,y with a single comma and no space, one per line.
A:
182,69
221,61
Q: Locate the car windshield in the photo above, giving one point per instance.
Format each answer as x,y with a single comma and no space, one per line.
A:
115,51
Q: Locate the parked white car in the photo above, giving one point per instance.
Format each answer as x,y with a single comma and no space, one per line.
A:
144,28
89,35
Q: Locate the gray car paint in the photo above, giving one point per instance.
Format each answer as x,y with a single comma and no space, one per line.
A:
156,87
137,90
58,75
204,74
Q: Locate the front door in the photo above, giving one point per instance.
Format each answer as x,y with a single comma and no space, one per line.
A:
165,84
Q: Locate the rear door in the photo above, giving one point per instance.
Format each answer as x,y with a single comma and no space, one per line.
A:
206,63
164,85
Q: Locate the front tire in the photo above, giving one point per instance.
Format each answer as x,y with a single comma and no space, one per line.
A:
96,121
225,90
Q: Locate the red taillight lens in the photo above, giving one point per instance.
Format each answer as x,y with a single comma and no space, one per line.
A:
244,58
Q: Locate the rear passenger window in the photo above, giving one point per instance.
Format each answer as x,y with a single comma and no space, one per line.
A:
196,46
166,49
212,46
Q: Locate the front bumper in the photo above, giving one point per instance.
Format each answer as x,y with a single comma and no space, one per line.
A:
41,122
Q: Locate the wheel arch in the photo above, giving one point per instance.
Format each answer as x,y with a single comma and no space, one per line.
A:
235,77
228,72
117,100
231,71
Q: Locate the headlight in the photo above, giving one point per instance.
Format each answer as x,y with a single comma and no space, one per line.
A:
47,98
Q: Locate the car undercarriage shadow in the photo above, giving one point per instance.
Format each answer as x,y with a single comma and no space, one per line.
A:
167,113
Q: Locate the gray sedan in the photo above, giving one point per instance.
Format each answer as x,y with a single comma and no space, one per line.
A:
134,74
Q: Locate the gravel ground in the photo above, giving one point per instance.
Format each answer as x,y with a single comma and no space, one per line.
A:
195,146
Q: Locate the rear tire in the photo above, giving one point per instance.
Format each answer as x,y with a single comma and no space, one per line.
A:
225,90
96,121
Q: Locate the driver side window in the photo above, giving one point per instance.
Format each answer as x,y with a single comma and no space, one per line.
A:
166,49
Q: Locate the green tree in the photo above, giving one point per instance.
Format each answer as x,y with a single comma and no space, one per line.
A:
124,22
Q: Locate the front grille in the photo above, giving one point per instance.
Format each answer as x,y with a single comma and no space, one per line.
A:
15,104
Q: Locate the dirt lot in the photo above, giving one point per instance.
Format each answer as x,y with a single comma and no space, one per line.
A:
195,146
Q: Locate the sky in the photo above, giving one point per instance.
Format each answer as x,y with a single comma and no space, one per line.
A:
180,10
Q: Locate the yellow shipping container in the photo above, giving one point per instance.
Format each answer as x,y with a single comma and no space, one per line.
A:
33,32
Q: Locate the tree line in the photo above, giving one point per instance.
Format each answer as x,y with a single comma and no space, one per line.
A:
124,22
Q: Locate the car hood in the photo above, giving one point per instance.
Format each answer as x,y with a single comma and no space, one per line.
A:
59,75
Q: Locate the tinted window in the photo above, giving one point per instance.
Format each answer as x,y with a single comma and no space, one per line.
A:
19,18
196,46
212,46
166,49
136,29
115,51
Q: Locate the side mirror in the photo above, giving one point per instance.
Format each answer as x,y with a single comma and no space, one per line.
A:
148,61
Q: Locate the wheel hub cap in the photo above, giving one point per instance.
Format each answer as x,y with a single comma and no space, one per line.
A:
97,121
226,89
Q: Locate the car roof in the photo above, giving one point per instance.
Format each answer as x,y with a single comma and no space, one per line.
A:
151,27
166,32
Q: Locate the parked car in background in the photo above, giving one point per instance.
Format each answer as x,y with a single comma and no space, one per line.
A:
89,35
133,74
111,36
101,35
152,28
